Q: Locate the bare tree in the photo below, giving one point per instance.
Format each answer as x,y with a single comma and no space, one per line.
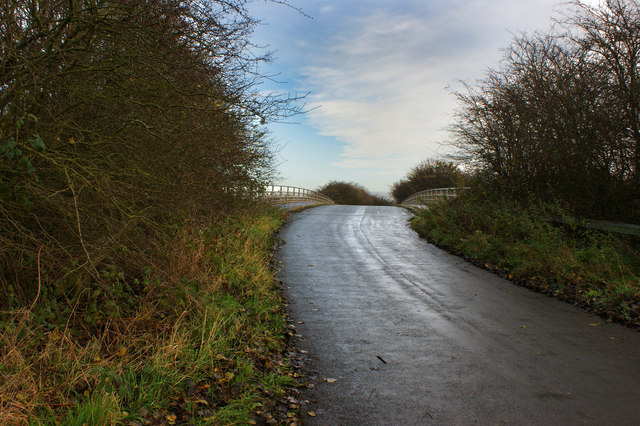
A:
610,35
558,120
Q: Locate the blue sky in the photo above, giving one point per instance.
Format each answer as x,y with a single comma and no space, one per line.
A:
380,76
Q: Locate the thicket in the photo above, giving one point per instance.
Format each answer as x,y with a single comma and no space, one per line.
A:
352,194
428,174
559,121
118,117
126,128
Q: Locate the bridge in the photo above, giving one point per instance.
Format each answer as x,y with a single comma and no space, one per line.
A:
430,196
282,194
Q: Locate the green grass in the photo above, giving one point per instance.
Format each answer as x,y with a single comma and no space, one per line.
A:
200,341
97,410
595,270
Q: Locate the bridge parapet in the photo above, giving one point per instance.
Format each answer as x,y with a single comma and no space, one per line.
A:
282,194
430,196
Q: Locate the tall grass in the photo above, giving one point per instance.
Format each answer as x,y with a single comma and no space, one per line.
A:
595,270
200,340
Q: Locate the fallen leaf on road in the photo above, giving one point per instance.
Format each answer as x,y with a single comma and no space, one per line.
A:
330,380
311,413
595,324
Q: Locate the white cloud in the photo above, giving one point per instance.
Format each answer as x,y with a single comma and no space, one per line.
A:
380,82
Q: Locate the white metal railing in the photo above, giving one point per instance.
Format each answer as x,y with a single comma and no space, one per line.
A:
430,196
293,194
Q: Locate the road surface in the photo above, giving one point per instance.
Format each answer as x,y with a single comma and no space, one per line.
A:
396,331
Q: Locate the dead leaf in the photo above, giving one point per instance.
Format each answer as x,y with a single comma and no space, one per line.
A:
330,380
311,413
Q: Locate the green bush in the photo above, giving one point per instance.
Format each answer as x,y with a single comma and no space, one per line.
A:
352,194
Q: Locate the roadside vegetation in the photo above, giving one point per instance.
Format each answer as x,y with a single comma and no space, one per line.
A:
198,338
554,133
594,270
352,194
135,284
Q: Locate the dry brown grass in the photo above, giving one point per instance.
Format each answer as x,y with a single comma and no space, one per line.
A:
171,336
40,367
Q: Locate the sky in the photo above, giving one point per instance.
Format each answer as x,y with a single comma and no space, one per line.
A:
380,78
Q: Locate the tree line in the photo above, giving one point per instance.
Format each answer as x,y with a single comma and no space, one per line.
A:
560,119
120,119
352,194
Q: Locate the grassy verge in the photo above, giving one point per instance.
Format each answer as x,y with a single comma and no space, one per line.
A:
596,271
197,338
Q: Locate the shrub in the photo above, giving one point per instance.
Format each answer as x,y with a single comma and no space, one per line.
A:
351,193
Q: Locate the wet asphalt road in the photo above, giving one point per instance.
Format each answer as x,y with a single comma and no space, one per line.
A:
460,345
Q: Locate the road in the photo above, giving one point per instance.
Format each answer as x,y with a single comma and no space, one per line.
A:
396,331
